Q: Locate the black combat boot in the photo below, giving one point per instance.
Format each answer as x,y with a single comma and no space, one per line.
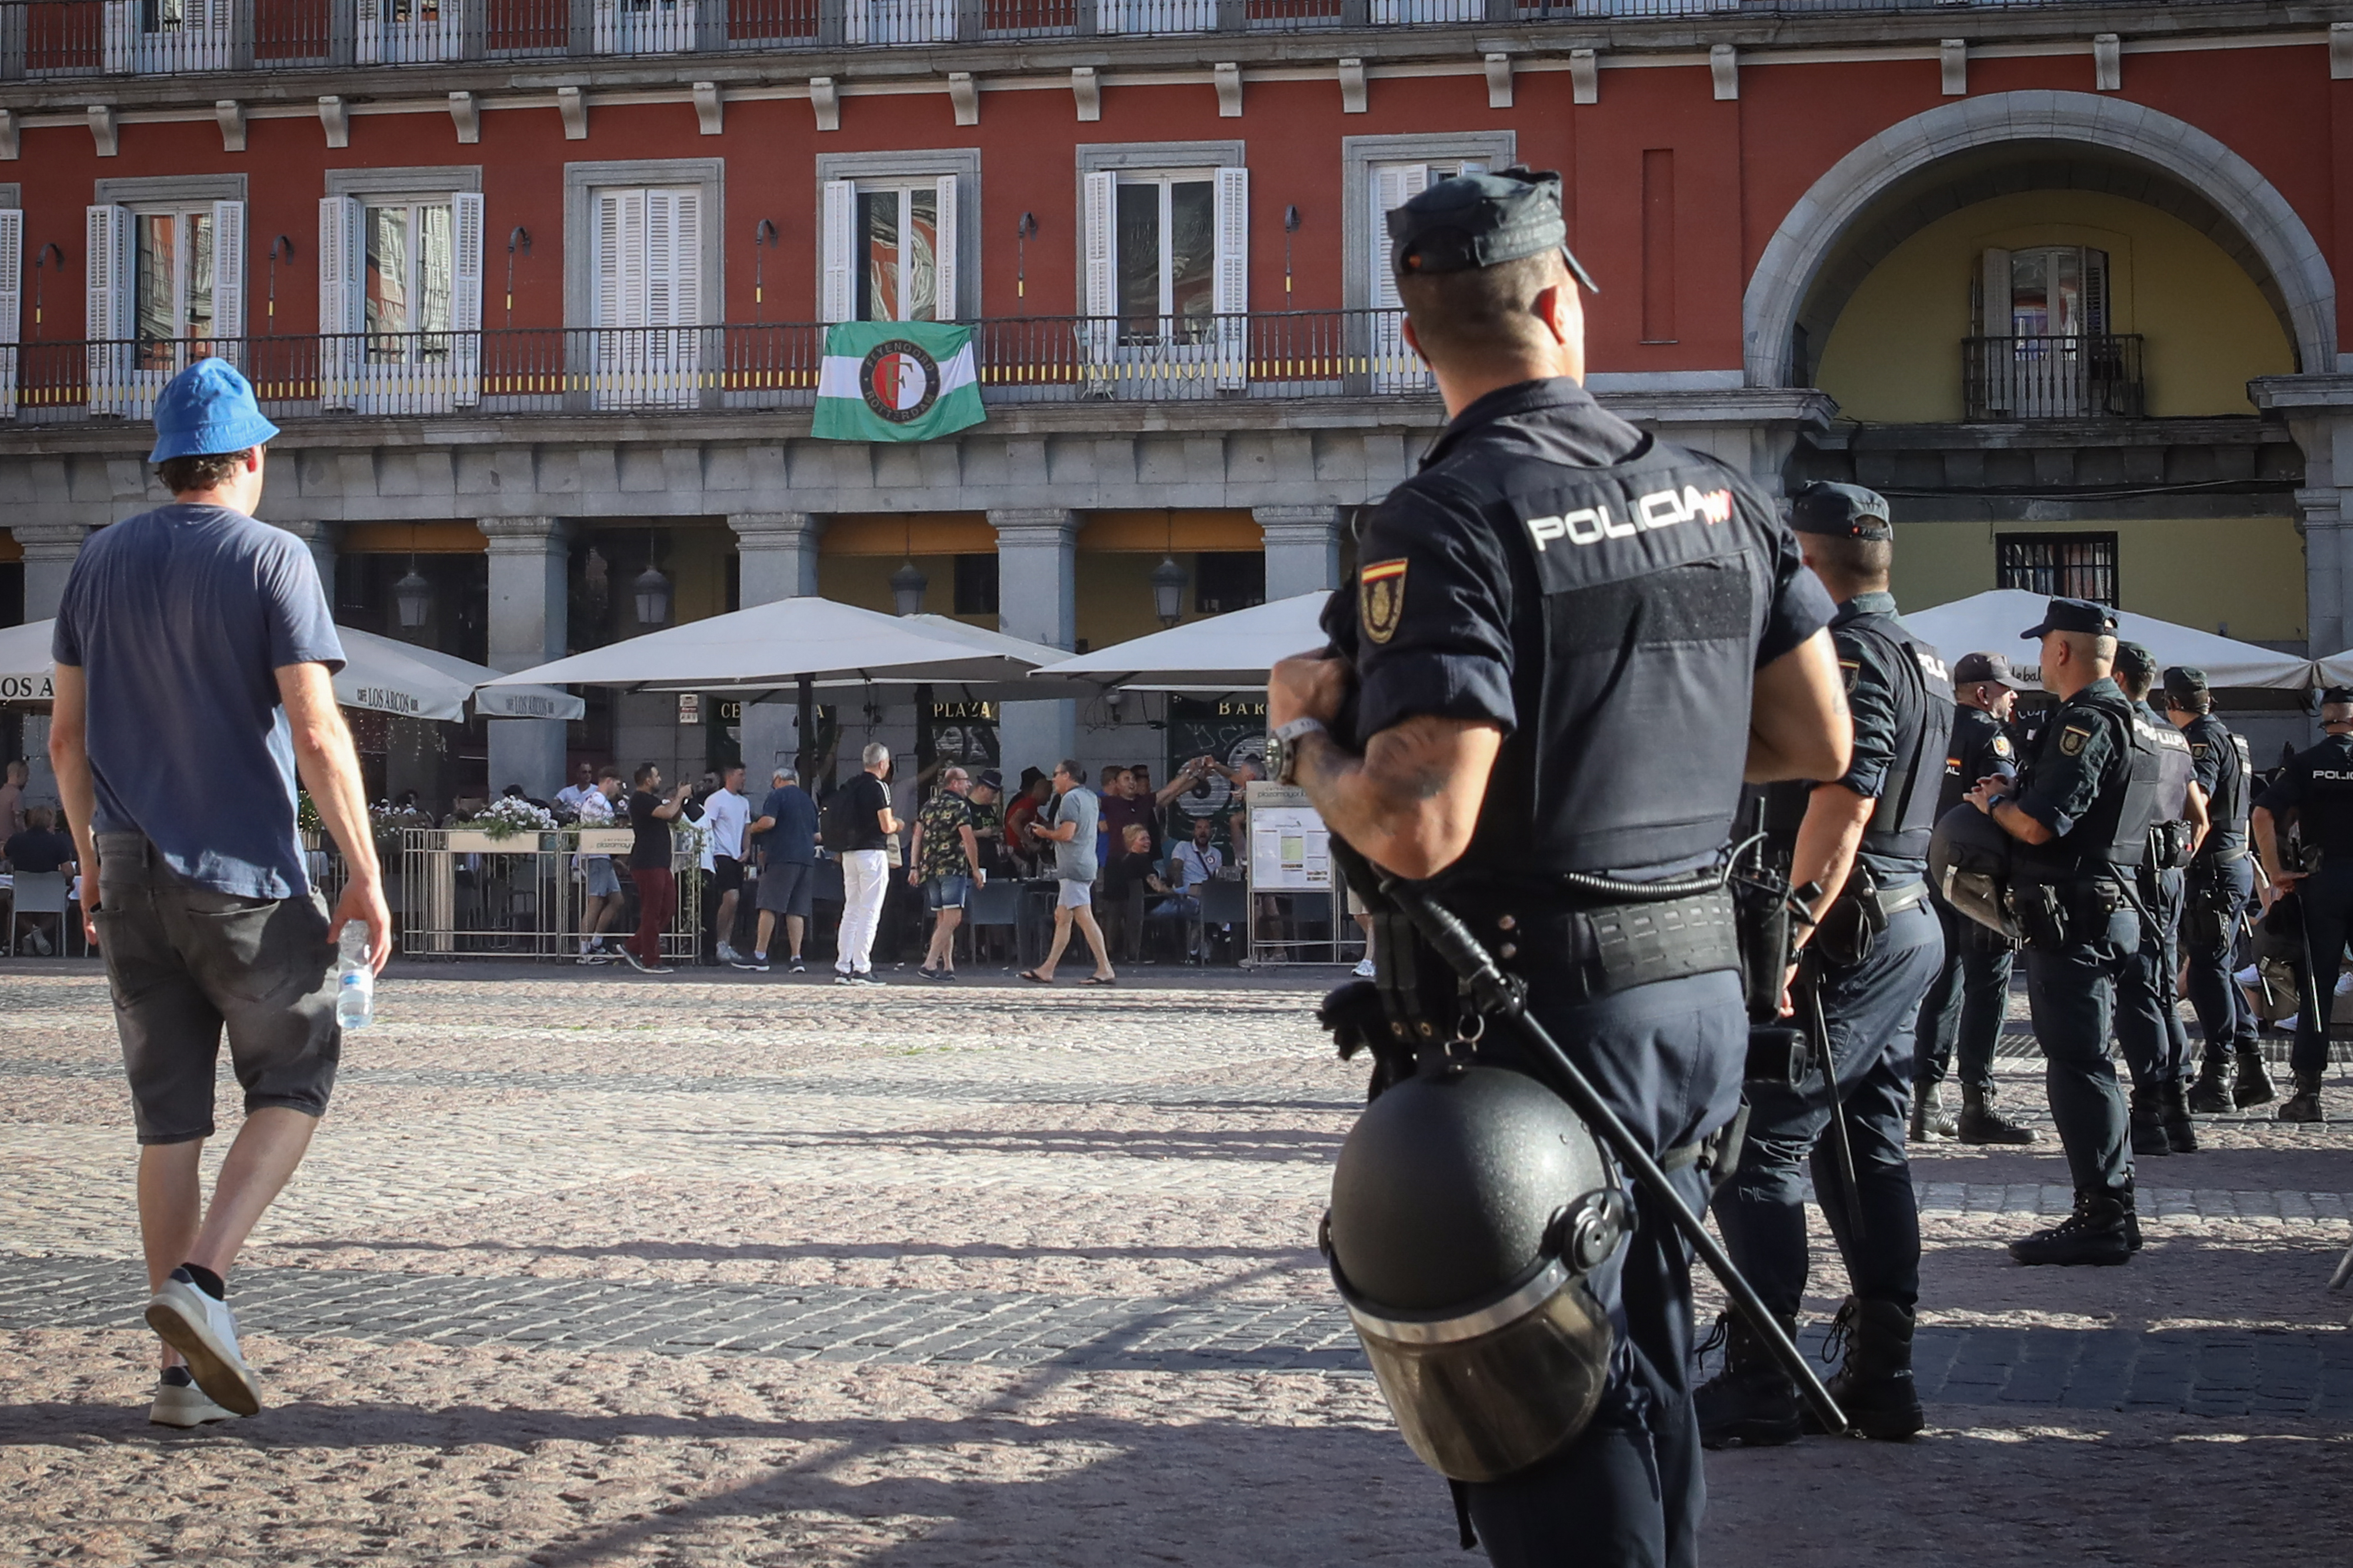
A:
1752,1402
2254,1085
2303,1105
2147,1124
1874,1384
1981,1123
2100,1232
1930,1120
2211,1093
2173,1113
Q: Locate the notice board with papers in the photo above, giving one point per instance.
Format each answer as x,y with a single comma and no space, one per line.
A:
1290,849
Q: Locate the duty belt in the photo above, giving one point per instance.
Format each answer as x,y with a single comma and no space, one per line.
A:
1893,901
2218,857
1595,951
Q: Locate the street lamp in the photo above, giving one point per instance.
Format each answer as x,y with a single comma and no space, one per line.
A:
412,597
907,585
1168,591
652,590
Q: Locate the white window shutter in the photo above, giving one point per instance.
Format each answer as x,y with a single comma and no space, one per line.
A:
686,263
838,292
661,258
465,295
367,45
12,304
611,218
1229,280
607,28
1393,185
122,35
1101,243
343,257
1995,315
106,312
2095,293
228,280
948,305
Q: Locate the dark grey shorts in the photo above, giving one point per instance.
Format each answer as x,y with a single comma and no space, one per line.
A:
184,962
787,887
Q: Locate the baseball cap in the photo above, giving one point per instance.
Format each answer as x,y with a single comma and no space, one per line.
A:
208,407
2073,615
1841,512
2332,696
1482,220
1985,669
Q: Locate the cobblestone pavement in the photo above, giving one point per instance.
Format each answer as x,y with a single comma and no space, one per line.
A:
587,1269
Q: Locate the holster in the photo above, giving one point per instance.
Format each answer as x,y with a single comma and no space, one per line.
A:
2056,916
2169,846
2210,913
1849,930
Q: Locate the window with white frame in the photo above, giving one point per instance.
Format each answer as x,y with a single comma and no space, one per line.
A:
1395,366
12,304
400,298
1168,264
649,296
167,285
890,249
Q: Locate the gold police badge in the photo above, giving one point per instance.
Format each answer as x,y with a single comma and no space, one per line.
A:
1380,598
2072,739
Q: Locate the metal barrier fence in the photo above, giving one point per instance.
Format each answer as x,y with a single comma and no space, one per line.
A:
47,38
465,895
553,369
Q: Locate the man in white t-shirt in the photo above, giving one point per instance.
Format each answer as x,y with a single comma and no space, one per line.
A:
600,885
725,815
567,799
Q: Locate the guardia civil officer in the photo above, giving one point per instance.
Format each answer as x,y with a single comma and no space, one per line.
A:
2148,1013
1566,645
2221,877
1863,839
2080,815
1961,1017
2317,785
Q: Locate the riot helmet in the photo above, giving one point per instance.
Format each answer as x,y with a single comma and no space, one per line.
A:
1468,1208
1970,866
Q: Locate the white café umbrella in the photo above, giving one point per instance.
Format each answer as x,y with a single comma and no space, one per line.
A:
775,645
2336,670
379,675
1990,622
1223,653
1020,656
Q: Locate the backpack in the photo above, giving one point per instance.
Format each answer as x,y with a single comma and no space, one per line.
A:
835,824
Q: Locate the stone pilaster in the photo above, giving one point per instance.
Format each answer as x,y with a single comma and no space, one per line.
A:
1302,547
1036,599
777,556
529,615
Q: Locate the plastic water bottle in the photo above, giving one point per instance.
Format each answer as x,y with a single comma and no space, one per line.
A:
354,979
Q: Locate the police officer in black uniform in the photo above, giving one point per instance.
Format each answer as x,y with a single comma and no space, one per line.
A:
2317,785
2149,1030
1565,644
2080,815
2214,900
1862,840
1969,997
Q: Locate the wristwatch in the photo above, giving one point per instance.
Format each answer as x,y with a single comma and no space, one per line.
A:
1283,747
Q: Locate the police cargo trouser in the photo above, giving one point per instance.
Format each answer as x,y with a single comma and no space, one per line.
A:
2149,1030
1868,1007
2212,906
1627,1492
2077,948
2328,920
1968,998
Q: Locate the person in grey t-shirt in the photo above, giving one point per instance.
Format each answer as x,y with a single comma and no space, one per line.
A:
194,663
1072,835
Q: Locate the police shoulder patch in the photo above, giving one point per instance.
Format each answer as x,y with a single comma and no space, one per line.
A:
2002,746
1852,669
2199,748
2073,740
1380,598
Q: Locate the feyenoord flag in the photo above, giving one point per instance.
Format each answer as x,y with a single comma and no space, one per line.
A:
896,381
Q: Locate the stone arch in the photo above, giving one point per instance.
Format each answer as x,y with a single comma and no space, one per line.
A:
2250,218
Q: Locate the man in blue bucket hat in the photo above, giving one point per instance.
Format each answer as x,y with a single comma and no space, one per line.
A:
195,656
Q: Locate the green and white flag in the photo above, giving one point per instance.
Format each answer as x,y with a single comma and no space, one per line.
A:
896,381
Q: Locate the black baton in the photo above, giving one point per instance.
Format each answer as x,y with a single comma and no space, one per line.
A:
1498,995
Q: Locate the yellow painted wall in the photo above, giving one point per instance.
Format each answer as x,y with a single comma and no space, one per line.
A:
1894,355
2164,568
865,581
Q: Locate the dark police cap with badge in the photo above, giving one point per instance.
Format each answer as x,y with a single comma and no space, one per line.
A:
2185,680
1985,669
2336,697
2073,615
1841,511
1482,220
2135,662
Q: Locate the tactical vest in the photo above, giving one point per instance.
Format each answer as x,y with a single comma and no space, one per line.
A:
1905,813
2233,782
1652,579
2176,768
2115,832
1973,733
2325,818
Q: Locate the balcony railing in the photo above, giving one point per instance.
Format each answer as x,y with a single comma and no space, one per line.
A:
2084,377
1037,359
46,38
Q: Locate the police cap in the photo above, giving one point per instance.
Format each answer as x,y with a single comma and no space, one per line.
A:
2073,615
2135,662
1841,511
1985,669
2185,680
1482,220
2336,696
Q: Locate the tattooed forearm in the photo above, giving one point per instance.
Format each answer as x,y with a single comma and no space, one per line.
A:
1411,802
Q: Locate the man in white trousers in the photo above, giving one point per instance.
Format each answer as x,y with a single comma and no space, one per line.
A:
865,865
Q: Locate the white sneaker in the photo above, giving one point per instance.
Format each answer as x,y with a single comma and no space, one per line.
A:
726,954
39,942
204,1330
1366,971
182,1404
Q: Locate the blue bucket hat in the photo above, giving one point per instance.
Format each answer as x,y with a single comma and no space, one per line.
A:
208,407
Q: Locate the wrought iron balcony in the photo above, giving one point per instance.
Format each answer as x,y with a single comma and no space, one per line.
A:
2083,377
49,39
588,369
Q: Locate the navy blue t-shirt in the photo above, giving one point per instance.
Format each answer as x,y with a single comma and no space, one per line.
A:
180,619
792,840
